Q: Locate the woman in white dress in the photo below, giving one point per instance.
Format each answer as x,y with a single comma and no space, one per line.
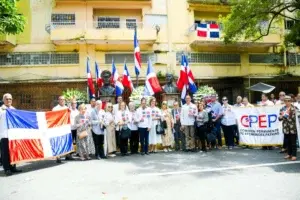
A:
110,130
154,138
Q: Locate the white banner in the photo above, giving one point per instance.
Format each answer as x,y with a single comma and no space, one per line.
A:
259,126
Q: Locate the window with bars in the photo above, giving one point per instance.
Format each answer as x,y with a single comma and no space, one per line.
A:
108,22
120,58
131,23
26,98
38,58
293,59
288,24
63,19
266,58
211,58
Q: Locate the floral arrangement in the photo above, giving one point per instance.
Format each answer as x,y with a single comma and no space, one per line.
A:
71,94
137,94
204,91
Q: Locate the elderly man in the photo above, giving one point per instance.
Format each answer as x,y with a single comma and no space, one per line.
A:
217,113
239,102
281,98
8,168
178,136
297,103
61,106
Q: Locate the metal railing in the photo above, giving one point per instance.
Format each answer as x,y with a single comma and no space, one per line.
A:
97,24
225,2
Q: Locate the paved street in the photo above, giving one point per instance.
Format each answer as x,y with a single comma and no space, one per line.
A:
237,174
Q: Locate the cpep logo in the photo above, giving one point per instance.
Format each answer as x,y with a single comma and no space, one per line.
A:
263,121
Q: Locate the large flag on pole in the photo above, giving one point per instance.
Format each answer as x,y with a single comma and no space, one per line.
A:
38,135
90,84
186,80
126,80
152,83
137,54
116,80
99,80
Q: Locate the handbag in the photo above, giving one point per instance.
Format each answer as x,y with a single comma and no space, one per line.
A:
83,134
125,132
159,129
164,124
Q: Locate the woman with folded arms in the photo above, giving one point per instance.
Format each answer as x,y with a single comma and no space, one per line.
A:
82,122
110,130
134,138
122,120
201,120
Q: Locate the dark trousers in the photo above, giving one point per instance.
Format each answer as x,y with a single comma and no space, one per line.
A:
178,137
229,135
201,133
285,141
236,134
99,145
74,134
118,138
134,142
144,139
5,155
124,145
217,131
292,146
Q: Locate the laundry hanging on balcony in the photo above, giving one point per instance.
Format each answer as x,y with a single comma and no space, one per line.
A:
208,30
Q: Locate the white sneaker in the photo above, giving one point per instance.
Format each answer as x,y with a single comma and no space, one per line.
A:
165,150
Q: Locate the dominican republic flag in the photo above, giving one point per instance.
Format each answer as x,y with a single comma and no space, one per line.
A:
152,83
208,30
117,80
99,80
137,55
90,80
38,135
187,79
126,80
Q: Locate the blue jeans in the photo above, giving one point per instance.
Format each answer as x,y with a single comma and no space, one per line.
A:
217,131
144,139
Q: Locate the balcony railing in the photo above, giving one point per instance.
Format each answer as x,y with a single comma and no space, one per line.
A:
99,24
224,2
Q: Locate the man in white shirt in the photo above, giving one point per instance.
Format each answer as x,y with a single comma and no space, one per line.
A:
265,101
297,103
8,168
187,118
61,106
144,119
281,98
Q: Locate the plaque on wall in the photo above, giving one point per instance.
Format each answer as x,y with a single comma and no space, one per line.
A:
108,99
171,98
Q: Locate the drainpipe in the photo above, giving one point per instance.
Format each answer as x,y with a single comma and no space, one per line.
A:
170,61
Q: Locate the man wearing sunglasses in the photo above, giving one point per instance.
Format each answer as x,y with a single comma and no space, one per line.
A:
8,168
281,98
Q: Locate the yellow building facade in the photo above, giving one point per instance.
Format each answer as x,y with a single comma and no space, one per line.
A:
51,54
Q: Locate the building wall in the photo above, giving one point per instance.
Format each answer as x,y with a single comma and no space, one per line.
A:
172,38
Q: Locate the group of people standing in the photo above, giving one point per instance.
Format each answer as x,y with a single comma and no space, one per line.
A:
104,130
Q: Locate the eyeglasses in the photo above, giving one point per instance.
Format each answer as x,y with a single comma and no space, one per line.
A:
9,99
109,106
287,100
224,99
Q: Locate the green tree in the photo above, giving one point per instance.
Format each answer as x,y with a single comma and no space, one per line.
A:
254,19
11,22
